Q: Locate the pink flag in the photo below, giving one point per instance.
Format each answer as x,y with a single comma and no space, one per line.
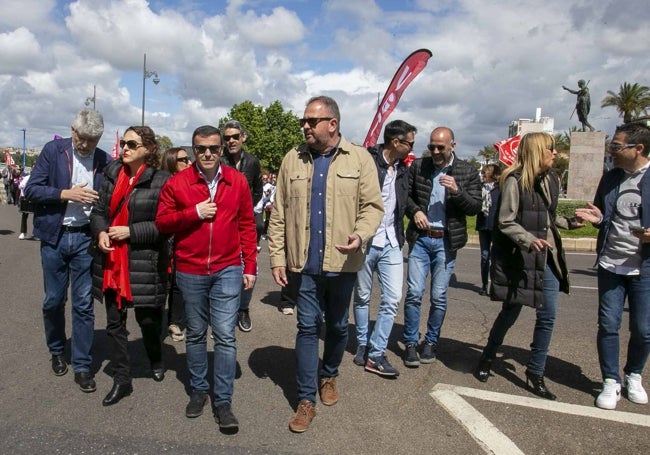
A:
507,149
115,153
9,161
410,68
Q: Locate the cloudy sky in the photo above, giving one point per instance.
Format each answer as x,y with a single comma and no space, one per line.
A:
493,62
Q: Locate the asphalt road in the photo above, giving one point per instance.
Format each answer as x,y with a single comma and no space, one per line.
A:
43,413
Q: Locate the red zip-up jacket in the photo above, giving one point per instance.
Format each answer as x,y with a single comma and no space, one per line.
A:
204,247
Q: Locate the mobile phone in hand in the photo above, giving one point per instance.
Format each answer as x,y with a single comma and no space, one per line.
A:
639,229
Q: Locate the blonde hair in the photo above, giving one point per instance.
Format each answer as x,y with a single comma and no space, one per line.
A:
530,159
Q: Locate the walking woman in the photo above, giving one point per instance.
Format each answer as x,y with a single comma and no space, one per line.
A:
528,264
132,271
485,219
174,160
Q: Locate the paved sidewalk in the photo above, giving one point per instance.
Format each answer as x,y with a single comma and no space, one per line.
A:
587,244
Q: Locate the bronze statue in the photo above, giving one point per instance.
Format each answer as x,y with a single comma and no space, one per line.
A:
583,103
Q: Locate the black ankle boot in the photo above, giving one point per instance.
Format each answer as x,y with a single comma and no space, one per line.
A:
482,372
118,392
538,387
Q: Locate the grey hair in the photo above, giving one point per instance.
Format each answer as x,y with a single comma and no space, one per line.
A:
89,123
234,124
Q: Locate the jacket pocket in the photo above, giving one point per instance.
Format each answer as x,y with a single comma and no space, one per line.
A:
298,186
347,182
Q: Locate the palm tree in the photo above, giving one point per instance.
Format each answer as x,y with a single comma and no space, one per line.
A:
631,101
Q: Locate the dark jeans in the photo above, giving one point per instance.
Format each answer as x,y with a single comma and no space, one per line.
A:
485,242
288,293
543,325
320,296
150,322
175,303
23,222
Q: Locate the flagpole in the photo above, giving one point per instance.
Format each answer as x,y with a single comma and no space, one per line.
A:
24,149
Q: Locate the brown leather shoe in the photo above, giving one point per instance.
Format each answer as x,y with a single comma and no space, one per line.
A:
328,392
304,415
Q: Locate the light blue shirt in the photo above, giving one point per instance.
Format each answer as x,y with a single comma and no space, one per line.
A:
436,210
77,213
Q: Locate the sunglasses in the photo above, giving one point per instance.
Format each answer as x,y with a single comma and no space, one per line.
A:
434,147
131,144
227,138
313,121
183,159
405,142
614,147
214,149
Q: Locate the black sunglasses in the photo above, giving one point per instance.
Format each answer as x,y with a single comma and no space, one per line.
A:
313,121
434,147
226,137
214,149
183,159
131,144
405,142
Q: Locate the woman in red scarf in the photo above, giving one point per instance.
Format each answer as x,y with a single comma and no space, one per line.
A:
132,271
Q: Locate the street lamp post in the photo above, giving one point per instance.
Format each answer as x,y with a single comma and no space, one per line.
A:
89,99
145,75
24,130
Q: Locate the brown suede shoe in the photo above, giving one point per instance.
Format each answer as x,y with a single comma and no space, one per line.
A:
304,415
328,392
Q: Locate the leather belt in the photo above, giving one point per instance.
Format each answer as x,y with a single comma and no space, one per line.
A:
84,228
434,233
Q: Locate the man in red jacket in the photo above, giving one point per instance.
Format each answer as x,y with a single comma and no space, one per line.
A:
208,208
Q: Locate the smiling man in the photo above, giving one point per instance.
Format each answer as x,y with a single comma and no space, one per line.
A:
235,156
208,208
443,190
327,206
621,212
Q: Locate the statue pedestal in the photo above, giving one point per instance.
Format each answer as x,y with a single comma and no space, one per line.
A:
586,161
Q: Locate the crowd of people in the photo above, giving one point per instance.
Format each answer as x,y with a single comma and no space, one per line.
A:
153,228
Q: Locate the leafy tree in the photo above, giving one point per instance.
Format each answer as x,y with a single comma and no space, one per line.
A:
272,132
631,101
164,142
489,153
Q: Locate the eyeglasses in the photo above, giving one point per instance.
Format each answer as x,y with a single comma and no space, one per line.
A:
226,137
313,121
214,149
434,147
405,142
131,144
183,159
614,148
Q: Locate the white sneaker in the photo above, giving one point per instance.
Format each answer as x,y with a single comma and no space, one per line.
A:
635,392
610,395
287,310
21,236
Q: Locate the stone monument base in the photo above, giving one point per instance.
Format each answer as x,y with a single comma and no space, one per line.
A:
586,164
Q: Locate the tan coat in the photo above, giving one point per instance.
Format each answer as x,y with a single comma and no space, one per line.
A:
353,206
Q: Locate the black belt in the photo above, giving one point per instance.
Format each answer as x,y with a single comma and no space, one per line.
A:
84,228
434,233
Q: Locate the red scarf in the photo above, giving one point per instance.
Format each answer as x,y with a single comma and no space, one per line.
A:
116,264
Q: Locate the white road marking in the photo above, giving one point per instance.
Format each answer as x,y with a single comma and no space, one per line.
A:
493,441
589,288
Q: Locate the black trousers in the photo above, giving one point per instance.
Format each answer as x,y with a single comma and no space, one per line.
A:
150,322
175,303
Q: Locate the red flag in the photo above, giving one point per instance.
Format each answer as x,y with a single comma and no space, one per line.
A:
410,68
9,161
115,153
507,149
409,158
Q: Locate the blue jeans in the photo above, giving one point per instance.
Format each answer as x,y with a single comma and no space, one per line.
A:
388,262
485,242
427,254
318,294
612,290
68,262
543,325
215,298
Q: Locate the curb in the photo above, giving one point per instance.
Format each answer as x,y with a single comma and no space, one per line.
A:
570,244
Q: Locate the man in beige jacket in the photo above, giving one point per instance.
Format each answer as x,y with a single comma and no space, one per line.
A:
327,206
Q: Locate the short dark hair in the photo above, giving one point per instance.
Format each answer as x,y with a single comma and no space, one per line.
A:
150,142
636,133
205,131
398,129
